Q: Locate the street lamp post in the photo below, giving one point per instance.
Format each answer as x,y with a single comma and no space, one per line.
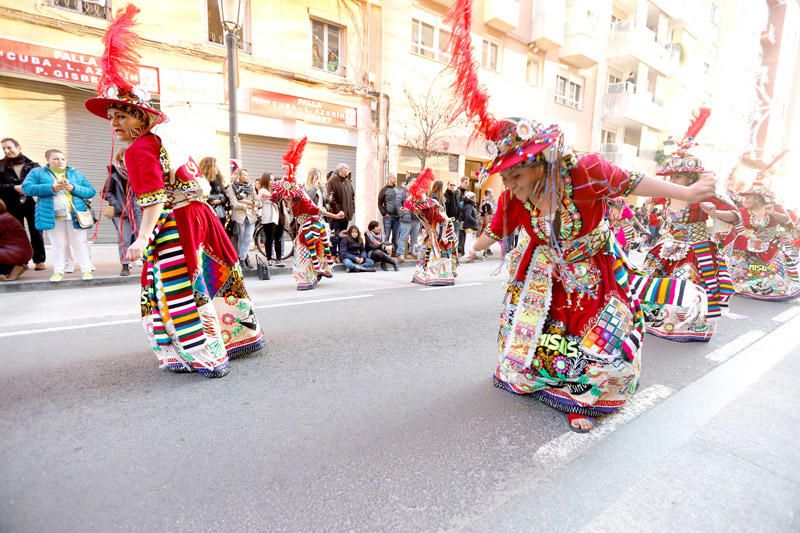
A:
230,15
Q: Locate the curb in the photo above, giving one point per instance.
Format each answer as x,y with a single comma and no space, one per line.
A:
133,279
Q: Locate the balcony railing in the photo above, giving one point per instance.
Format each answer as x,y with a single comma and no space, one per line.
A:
625,106
94,8
627,39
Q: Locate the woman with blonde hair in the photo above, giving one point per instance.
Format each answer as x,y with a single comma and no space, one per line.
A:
217,199
315,189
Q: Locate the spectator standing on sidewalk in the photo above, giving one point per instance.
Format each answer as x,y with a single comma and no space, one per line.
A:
217,198
15,248
270,219
62,192
315,189
341,198
126,215
452,201
486,211
14,168
406,224
244,208
471,224
463,188
390,210
353,253
379,249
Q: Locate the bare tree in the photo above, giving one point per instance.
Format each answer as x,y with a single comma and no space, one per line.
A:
432,122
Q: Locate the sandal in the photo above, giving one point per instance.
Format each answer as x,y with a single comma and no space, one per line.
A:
576,416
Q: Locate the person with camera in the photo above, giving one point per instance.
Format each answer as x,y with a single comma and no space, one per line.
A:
379,249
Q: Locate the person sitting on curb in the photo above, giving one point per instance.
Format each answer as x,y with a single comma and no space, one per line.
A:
378,248
353,253
15,248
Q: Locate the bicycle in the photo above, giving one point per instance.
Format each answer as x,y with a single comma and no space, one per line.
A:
287,240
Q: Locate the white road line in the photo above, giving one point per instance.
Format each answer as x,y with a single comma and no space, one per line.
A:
733,316
133,320
67,328
788,314
725,352
564,446
319,301
451,286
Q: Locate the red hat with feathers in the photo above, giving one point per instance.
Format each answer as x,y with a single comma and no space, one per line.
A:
682,160
418,199
120,63
511,141
288,186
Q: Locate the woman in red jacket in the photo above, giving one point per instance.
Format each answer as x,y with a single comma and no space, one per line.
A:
687,251
15,248
195,309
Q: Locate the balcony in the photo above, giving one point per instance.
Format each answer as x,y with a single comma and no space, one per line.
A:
625,108
629,157
445,3
677,10
502,15
549,19
581,47
631,44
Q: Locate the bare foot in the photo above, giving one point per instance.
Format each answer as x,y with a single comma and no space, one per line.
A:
582,423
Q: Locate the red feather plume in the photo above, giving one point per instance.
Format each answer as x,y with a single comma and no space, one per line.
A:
473,99
293,156
120,58
698,122
422,183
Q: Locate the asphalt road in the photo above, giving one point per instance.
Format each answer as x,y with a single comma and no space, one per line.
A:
372,408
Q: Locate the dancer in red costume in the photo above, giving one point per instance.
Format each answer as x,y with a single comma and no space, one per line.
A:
312,246
194,305
687,251
760,251
436,264
571,325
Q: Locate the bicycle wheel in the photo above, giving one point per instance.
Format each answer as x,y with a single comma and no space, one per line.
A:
260,238
287,243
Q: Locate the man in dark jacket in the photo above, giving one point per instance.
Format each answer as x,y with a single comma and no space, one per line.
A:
452,200
341,197
463,188
390,209
14,168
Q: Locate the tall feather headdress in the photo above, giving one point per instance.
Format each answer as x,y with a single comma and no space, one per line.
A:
682,161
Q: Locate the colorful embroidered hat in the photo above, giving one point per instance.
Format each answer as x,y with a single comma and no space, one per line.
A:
510,142
760,186
288,186
418,199
682,160
119,63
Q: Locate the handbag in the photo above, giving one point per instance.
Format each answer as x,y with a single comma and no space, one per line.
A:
262,268
109,211
84,218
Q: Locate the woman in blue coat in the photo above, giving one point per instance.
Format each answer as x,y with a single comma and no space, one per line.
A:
60,192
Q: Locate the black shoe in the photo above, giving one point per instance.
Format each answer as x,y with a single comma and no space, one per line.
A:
368,269
384,267
126,271
395,265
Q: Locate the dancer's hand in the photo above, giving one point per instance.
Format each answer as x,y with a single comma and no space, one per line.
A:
339,215
703,188
136,250
708,208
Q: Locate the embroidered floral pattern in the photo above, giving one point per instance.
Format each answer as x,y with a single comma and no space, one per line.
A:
158,196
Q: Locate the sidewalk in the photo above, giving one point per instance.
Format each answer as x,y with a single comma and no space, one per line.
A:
107,266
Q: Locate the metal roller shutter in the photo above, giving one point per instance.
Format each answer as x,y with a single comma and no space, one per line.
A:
263,154
48,115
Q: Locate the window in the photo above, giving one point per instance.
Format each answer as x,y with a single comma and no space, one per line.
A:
569,91
608,137
216,34
533,70
489,54
94,8
430,37
327,47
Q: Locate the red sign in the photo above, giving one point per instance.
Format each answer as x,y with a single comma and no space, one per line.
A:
59,65
307,109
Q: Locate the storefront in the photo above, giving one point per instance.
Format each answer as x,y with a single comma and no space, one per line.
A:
42,91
